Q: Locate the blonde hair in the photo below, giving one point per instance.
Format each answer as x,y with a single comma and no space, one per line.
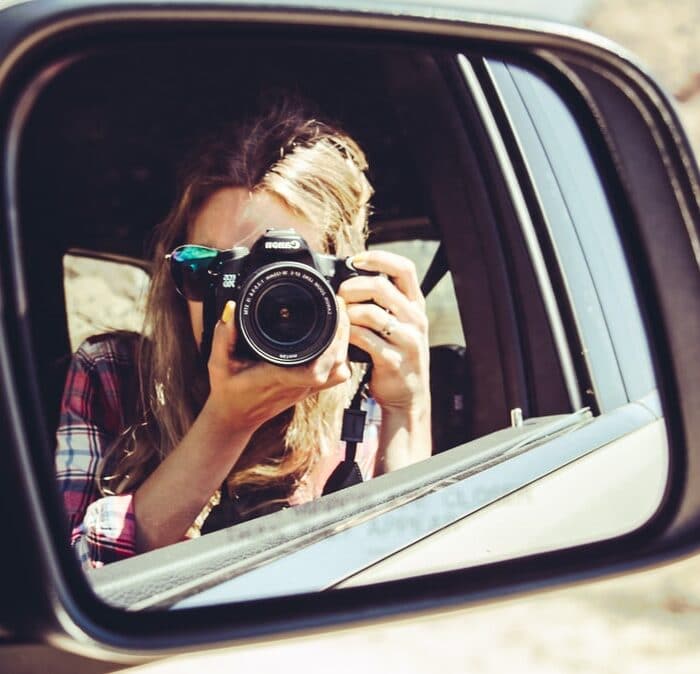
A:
318,172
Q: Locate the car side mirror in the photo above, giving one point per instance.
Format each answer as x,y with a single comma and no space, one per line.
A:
561,185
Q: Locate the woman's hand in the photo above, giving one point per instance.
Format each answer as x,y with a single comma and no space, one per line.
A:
388,321
244,394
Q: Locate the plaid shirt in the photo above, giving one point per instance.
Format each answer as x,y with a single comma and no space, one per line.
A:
103,528
97,391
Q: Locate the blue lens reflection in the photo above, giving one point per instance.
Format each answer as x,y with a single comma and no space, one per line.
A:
194,254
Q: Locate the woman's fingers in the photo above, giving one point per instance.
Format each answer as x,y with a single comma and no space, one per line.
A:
331,367
253,391
315,376
224,342
385,356
400,269
290,383
379,290
387,326
389,322
338,349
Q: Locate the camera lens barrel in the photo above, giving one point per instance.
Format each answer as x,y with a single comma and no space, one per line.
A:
287,313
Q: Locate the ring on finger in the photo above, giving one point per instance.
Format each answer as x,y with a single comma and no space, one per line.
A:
389,327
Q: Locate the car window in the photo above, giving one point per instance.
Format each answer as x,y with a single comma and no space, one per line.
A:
102,296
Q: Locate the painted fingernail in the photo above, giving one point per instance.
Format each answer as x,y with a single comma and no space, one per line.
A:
227,313
360,259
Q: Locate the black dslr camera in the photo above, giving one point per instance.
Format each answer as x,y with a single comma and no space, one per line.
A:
285,299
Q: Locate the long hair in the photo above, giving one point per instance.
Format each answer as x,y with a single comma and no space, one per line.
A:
318,172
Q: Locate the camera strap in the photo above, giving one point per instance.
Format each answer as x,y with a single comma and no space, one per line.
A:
348,473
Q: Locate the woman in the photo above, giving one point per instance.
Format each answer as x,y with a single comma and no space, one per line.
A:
155,444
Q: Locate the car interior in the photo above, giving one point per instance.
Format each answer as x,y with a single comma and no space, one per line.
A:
99,154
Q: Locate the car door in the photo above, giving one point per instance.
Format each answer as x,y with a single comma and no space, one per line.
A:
577,250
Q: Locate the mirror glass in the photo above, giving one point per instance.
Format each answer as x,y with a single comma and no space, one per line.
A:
513,411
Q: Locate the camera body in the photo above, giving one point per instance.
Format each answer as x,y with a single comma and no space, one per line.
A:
286,310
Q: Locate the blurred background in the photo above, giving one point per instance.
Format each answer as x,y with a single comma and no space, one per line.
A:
665,36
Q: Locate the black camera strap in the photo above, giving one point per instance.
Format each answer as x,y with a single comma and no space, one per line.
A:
348,473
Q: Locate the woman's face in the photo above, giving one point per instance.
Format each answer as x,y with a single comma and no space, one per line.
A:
233,216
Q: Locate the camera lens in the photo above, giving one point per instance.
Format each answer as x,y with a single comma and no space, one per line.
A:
286,314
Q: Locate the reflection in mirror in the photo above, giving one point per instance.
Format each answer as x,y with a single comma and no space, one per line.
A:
513,411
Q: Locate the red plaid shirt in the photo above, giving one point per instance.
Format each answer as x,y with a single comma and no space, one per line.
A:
103,528
96,393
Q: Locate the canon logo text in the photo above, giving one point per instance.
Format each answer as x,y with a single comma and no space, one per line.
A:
285,245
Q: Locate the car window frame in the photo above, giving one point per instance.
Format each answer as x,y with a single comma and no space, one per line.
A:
601,292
